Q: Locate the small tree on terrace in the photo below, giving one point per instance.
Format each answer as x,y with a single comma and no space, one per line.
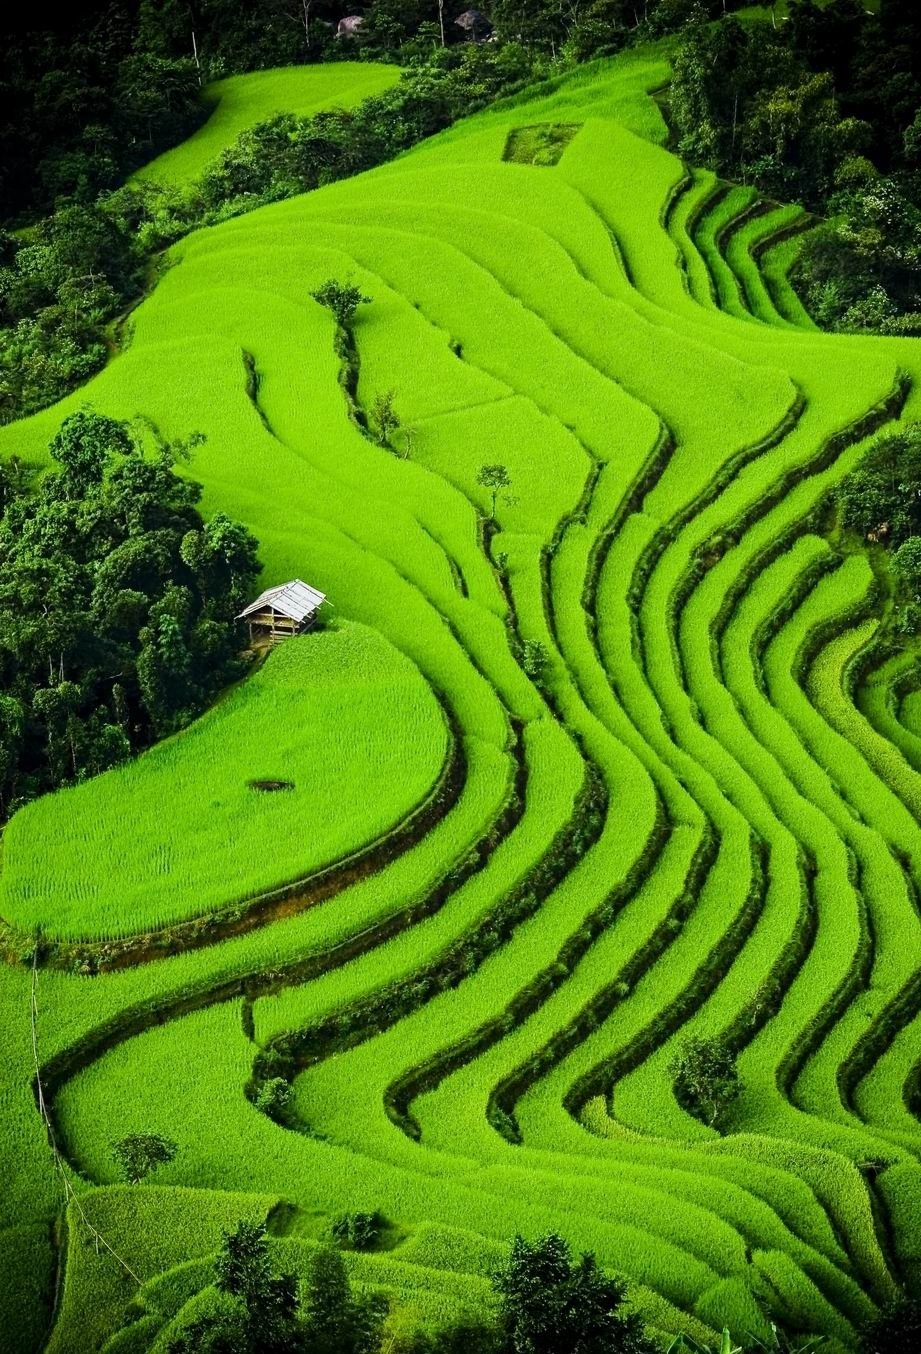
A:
358,1231
706,1078
495,478
535,656
140,1153
384,417
553,1305
342,298
274,1099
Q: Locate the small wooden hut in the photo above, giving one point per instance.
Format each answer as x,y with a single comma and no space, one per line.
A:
279,613
349,26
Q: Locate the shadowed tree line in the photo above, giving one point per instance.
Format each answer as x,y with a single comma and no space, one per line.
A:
92,94
94,91
881,500
543,1301
68,275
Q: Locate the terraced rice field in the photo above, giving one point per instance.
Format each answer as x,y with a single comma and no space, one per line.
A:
240,101
701,819
242,784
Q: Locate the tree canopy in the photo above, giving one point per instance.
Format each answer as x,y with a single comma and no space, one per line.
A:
706,1078
140,1153
881,497
551,1304
265,1313
117,605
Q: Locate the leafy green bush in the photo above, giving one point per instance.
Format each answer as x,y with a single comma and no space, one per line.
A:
706,1078
274,1098
358,1231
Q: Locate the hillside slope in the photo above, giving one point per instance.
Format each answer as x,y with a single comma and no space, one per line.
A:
684,823
241,101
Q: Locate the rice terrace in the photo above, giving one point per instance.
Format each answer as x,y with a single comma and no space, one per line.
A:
533,849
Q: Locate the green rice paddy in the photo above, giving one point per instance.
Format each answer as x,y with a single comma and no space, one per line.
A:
701,819
240,101
250,793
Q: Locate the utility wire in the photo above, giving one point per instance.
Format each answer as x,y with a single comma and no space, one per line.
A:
70,1194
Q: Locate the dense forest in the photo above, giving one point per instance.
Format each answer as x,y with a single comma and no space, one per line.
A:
824,109
117,605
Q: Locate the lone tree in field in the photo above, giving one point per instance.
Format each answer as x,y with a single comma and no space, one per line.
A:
495,478
342,298
140,1153
384,417
551,1304
706,1078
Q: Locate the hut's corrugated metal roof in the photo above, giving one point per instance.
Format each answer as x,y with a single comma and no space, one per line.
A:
296,600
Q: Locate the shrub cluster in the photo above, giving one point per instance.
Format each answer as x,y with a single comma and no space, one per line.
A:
546,1303
881,500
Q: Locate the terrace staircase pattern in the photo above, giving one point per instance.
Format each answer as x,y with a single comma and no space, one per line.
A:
701,817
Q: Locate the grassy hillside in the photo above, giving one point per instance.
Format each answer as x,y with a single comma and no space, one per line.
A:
697,818
240,101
